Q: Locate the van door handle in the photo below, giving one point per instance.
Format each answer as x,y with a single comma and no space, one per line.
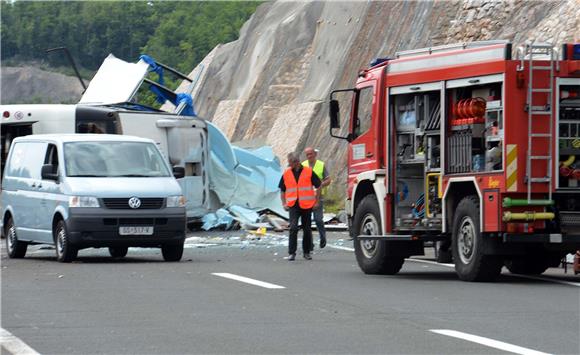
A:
33,184
39,185
369,155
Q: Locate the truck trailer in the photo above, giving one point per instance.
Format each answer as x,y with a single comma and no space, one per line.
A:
466,147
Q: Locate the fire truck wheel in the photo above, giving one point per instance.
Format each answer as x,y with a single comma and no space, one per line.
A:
373,256
526,266
471,264
532,264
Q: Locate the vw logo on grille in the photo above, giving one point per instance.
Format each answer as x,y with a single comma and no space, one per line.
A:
134,202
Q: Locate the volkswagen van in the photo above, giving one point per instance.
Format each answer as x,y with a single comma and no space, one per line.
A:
80,191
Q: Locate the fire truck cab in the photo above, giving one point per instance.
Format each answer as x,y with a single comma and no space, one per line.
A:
465,147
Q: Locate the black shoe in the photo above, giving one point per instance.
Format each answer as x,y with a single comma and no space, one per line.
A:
307,256
322,242
291,257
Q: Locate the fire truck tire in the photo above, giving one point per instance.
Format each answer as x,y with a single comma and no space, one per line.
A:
471,264
532,264
526,266
373,256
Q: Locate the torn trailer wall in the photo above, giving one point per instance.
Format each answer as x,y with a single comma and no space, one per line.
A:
237,179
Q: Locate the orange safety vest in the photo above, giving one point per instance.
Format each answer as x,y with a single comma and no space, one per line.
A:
303,191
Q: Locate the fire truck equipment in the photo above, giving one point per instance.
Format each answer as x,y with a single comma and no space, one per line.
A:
512,202
527,216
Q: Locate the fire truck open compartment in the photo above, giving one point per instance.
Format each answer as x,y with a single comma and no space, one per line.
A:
569,137
475,129
417,118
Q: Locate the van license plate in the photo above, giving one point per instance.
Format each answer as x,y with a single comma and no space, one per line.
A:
135,230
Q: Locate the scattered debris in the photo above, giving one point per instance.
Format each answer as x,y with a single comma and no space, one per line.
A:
232,217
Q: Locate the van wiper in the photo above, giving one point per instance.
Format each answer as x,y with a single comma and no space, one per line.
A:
86,175
131,175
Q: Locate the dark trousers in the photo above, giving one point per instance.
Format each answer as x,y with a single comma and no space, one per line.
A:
296,213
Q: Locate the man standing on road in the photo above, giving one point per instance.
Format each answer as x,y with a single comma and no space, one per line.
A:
300,193
321,172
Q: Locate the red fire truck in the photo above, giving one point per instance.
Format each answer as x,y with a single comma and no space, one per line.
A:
471,149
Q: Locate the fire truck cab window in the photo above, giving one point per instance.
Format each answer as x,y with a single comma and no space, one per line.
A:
364,110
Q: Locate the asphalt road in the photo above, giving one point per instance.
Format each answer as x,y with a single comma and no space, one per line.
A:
142,305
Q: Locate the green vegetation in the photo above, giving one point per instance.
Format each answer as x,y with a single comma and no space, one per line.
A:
176,33
334,199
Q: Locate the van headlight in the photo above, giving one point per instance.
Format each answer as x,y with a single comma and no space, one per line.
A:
83,201
176,201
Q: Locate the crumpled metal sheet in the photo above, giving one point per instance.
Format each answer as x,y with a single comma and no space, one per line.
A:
243,177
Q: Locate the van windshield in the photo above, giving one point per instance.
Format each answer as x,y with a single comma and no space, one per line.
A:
114,159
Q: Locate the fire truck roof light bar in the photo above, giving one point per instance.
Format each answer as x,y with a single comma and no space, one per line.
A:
448,48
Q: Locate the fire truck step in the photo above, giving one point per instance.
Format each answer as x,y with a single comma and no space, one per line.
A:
544,135
542,90
538,112
541,67
540,157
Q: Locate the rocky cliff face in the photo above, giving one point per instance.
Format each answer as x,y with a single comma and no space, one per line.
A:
271,84
29,84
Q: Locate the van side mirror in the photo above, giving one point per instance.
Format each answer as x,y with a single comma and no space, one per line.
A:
334,112
178,172
48,172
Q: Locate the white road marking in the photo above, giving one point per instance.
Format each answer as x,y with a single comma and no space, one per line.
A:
14,345
340,247
430,262
547,279
539,278
488,342
247,280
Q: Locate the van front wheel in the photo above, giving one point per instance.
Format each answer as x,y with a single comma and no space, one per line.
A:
65,252
118,252
16,249
172,252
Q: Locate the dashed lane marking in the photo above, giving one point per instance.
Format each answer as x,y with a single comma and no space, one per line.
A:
14,345
247,280
488,342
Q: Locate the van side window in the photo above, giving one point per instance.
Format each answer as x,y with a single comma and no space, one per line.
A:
26,160
52,157
364,110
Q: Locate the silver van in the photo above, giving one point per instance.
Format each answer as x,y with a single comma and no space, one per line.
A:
80,191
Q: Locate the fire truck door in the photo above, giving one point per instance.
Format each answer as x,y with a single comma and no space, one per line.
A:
363,154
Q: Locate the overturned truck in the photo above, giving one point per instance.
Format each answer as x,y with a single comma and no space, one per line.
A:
216,174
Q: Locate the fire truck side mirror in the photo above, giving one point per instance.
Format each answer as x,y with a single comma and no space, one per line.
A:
334,114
